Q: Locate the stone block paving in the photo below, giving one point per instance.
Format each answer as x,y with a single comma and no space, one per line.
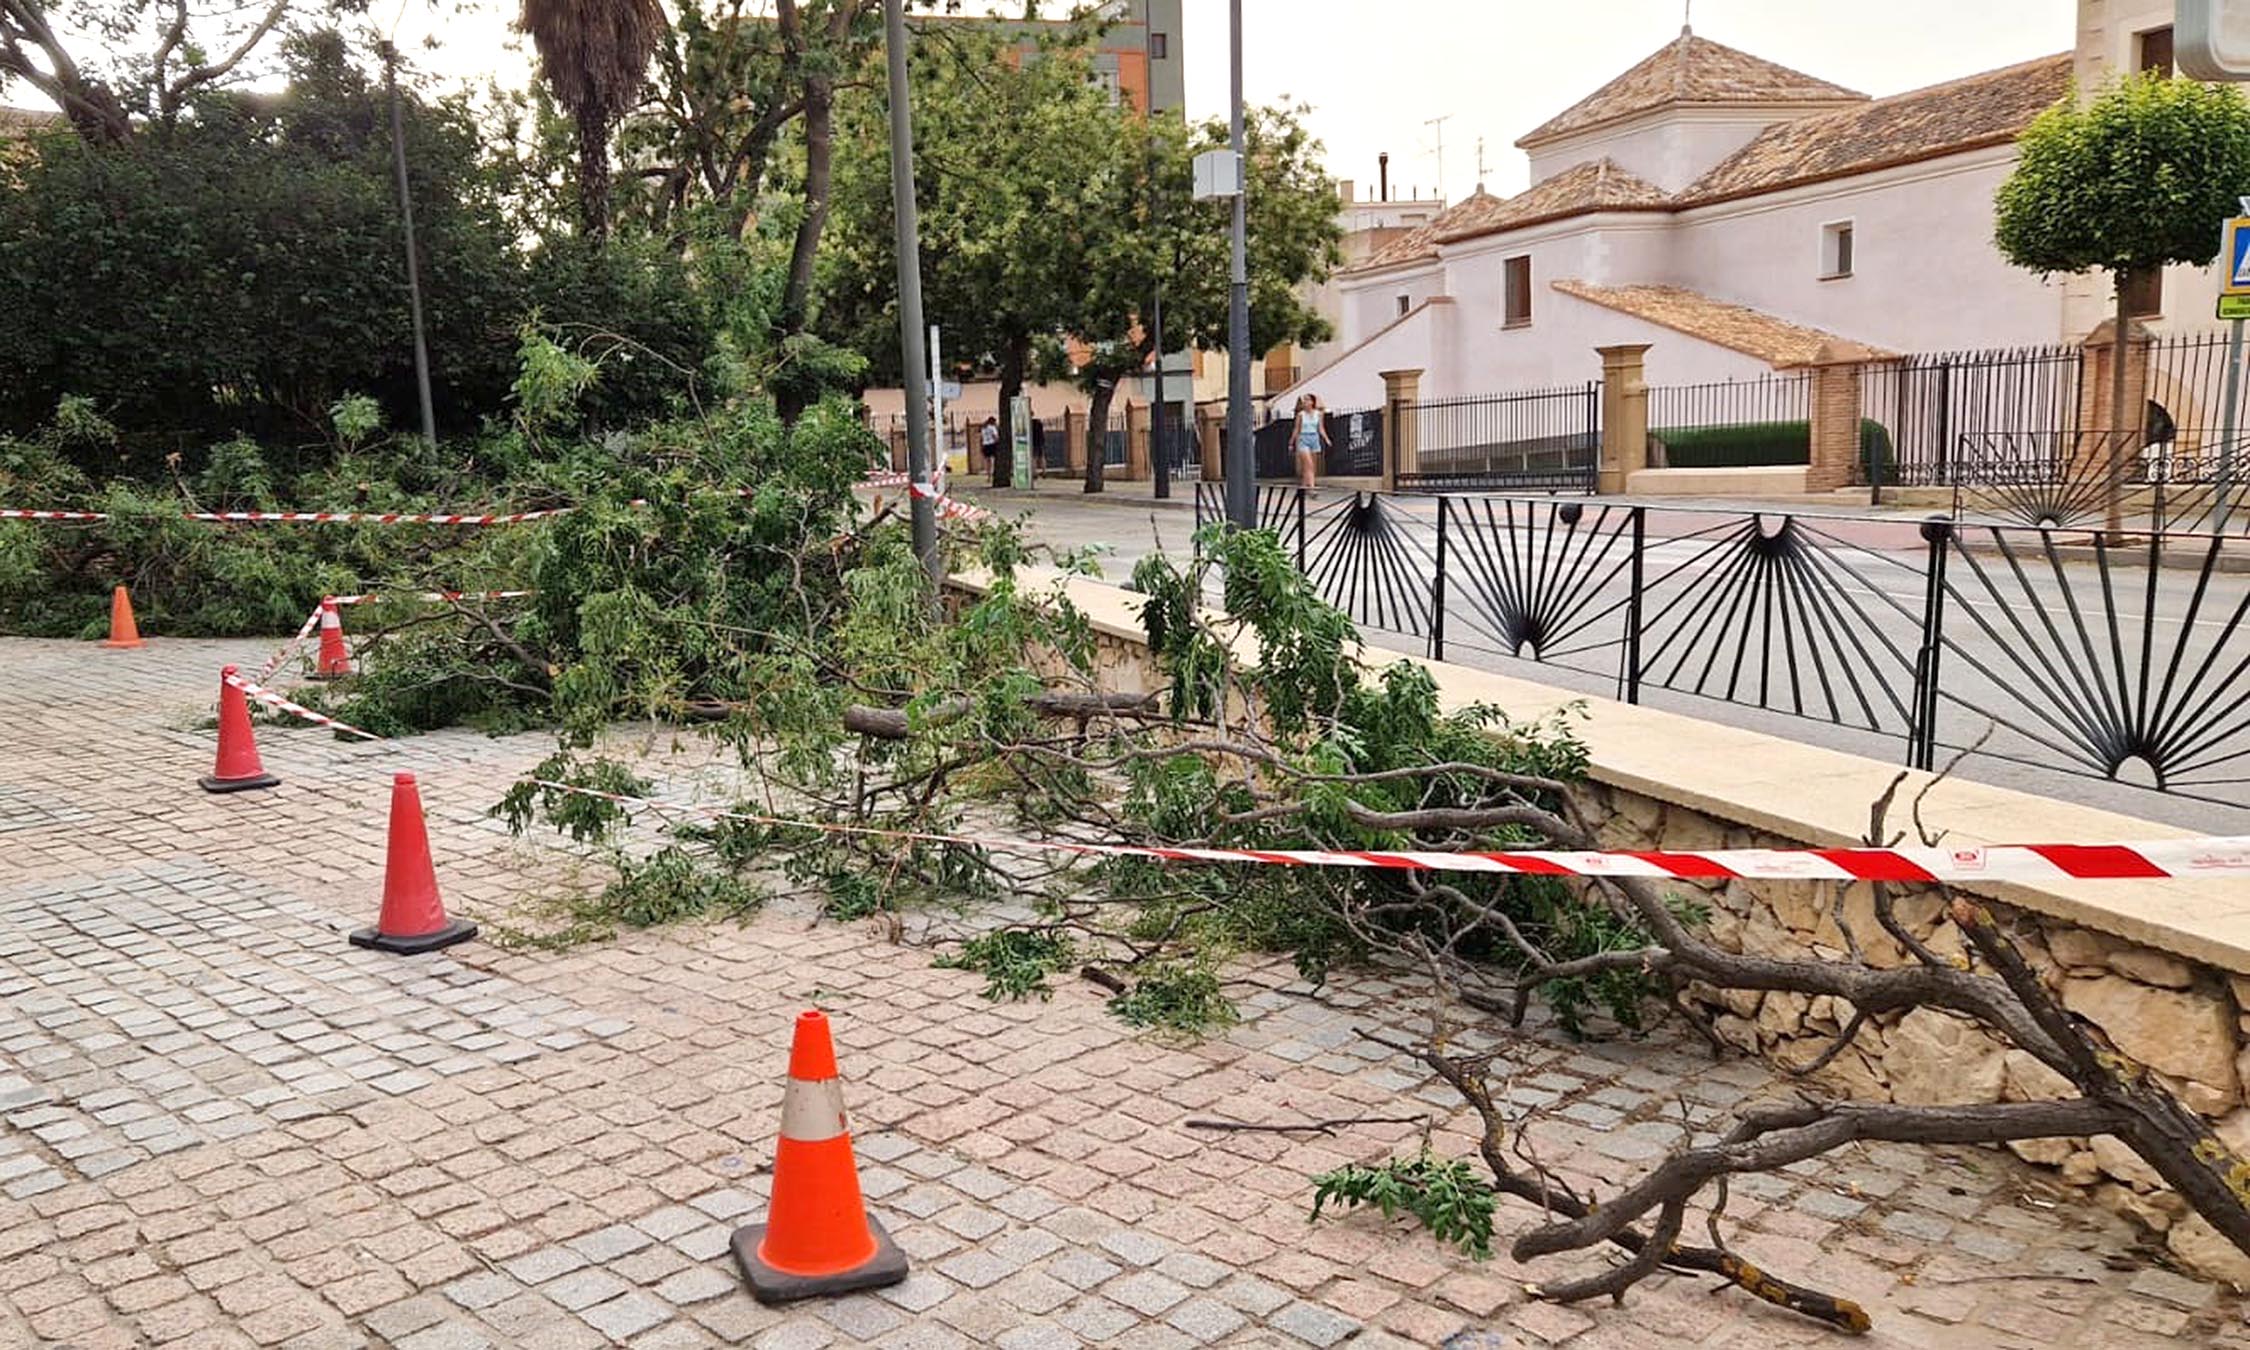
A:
220,1126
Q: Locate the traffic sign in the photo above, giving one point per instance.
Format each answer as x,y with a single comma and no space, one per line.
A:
2236,255
2234,307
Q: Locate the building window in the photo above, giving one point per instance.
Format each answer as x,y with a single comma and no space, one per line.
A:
2153,52
1836,249
2144,293
1159,47
1517,312
1404,304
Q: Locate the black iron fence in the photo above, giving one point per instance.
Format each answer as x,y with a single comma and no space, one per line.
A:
2058,649
1531,440
1354,445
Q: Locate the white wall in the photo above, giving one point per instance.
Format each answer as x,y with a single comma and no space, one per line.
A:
1670,147
1369,304
1926,275
1421,341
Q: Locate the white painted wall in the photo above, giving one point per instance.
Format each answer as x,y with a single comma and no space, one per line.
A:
1670,147
1370,304
1421,341
1926,275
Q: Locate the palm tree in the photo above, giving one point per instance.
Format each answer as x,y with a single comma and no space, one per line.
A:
592,54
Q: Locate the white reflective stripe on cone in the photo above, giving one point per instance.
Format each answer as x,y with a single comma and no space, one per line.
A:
813,1112
329,618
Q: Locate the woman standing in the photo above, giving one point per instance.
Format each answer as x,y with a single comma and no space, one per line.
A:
1311,439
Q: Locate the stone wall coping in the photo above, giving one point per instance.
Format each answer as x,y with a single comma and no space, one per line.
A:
1814,796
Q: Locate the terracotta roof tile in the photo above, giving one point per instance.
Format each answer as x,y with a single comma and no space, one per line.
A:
1596,185
1689,70
1736,327
1422,241
1987,109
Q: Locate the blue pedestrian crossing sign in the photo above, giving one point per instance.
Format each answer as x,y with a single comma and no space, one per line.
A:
2236,254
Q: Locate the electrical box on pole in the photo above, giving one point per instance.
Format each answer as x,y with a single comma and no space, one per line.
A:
1218,175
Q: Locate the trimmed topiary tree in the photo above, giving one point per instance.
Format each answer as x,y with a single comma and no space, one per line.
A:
2141,176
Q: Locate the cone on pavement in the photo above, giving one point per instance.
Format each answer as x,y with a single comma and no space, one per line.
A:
238,768
413,917
818,1238
123,632
335,659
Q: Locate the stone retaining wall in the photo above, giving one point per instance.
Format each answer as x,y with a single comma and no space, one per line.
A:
2187,1020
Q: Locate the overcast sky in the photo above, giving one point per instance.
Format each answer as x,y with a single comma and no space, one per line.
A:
1374,71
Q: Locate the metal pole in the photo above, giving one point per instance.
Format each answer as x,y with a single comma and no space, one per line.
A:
414,267
2229,428
1242,476
1156,402
908,244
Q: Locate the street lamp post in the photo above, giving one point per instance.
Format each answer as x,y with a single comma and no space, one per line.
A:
1242,481
908,243
413,265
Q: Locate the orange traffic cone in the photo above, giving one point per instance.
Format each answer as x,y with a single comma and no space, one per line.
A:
413,917
818,1237
335,660
238,768
123,632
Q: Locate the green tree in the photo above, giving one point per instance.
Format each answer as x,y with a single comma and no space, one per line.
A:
106,63
1010,158
1154,233
2141,176
594,55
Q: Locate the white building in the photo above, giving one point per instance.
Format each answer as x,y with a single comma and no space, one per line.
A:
1731,212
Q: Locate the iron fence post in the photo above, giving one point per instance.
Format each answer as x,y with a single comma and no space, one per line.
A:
1437,591
1633,608
1921,735
1300,529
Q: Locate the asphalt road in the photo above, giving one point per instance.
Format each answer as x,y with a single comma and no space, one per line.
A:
2044,662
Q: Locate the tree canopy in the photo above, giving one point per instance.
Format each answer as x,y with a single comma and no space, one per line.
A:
2142,176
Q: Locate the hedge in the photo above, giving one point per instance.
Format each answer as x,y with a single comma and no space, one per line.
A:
1758,444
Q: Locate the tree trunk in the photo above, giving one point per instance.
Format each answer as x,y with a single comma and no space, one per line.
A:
593,178
1097,433
1014,355
796,295
2121,420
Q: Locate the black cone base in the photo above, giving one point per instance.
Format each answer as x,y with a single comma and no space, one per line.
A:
262,780
886,1266
456,931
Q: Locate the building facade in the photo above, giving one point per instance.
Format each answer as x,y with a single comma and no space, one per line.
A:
1736,216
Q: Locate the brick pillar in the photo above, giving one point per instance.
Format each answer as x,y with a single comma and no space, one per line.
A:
1074,439
1136,442
1835,426
2099,430
1624,450
1207,444
1402,390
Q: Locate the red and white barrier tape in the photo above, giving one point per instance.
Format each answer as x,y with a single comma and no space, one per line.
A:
886,478
312,620
950,508
2163,858
18,513
378,517
252,689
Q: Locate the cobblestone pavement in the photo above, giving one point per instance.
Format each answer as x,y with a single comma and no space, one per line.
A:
221,1125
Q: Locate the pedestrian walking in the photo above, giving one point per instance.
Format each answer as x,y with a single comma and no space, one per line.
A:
1311,439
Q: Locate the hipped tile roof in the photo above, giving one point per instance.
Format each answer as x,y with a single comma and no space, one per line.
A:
1987,109
1689,70
1736,327
1944,119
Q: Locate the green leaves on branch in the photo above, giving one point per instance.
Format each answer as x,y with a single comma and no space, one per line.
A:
1445,1194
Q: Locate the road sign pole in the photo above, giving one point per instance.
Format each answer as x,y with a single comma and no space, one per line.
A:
2234,301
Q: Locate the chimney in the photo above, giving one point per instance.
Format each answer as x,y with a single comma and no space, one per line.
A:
1383,176
1344,190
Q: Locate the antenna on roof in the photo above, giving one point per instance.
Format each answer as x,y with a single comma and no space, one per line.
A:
1481,168
1438,124
1687,18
